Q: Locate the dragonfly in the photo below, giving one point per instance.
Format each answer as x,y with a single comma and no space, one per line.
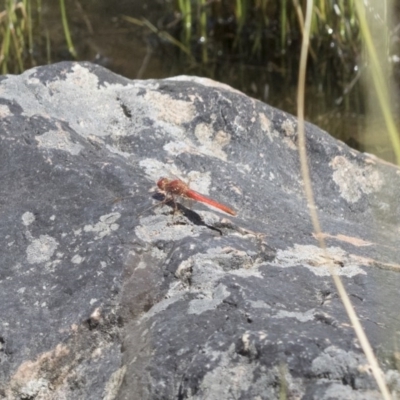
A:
172,188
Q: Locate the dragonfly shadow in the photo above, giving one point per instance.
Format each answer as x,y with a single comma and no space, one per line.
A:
191,215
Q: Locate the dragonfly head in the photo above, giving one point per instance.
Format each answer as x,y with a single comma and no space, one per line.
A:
162,182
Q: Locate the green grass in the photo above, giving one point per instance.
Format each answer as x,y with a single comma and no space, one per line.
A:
22,34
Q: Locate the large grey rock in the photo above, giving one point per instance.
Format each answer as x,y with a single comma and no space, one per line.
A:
105,299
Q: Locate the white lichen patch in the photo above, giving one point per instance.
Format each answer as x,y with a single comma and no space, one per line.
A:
175,148
27,218
41,249
259,304
207,268
289,130
300,316
170,110
77,259
247,340
58,140
4,111
105,226
155,169
199,181
265,122
114,383
35,388
155,228
267,127
227,380
115,150
81,77
314,259
89,107
353,180
198,306
77,232
336,363
211,143
201,274
234,378
157,253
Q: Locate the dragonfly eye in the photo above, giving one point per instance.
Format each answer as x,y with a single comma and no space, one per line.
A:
162,182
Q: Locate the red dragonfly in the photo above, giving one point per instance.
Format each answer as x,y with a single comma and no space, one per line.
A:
176,187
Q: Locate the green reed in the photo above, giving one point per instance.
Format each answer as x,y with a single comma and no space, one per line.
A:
186,10
203,30
21,35
336,24
11,19
67,34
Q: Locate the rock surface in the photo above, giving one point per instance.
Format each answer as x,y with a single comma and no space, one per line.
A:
103,297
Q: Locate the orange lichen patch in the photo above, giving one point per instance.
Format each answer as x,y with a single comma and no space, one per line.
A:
371,262
348,239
